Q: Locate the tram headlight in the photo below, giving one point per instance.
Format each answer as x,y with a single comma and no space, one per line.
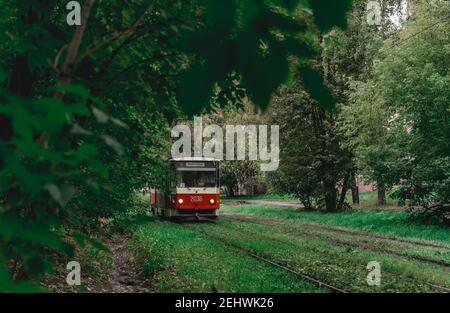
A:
180,201
212,201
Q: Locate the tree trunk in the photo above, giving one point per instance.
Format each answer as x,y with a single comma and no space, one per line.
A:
306,201
342,199
330,196
343,192
355,191
74,45
230,191
355,195
381,195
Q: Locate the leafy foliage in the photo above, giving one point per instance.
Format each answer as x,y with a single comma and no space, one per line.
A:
85,111
312,159
404,109
68,157
254,39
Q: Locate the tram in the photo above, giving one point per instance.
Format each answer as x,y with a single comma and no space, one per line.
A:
192,190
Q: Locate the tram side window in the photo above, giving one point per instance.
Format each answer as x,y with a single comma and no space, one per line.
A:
196,179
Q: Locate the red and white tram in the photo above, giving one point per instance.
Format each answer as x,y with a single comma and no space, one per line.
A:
193,190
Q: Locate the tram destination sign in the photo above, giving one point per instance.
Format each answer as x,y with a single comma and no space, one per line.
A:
195,164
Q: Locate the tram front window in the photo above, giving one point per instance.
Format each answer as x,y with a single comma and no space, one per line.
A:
190,179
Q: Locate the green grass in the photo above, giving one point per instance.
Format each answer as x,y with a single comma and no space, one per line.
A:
370,199
318,254
384,222
195,257
181,260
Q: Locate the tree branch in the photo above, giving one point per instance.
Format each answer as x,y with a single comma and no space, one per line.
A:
141,62
117,35
72,51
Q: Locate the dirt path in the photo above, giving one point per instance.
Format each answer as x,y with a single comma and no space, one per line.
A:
283,204
298,205
125,277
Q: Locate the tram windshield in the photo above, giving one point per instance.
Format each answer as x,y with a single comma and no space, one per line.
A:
192,178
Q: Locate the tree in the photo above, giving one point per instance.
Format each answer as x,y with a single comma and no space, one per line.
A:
404,109
348,58
62,165
312,161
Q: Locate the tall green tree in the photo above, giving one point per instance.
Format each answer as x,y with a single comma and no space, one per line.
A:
312,161
403,135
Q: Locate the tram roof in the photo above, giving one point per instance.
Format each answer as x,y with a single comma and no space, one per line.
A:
193,159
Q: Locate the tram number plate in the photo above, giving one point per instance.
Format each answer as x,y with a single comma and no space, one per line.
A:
196,198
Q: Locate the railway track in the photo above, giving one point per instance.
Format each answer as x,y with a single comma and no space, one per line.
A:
437,287
347,243
319,283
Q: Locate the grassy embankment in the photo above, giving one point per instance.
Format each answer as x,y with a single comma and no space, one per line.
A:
266,196
197,258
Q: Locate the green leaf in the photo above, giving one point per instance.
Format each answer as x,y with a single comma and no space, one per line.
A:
36,231
62,194
78,130
315,86
330,13
263,74
118,122
73,89
86,151
3,75
7,284
196,87
221,15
